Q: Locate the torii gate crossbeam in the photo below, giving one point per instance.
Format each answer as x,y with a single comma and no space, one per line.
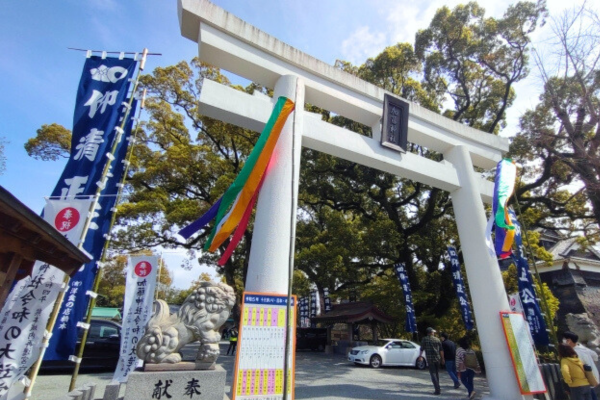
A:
229,43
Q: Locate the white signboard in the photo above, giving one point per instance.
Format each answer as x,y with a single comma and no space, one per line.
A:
25,314
522,352
259,367
137,310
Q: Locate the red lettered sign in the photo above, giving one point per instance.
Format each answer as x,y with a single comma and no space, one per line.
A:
142,269
66,219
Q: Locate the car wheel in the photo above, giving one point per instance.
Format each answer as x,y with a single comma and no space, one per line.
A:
375,361
420,363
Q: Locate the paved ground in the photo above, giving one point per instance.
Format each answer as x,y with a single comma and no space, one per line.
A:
318,376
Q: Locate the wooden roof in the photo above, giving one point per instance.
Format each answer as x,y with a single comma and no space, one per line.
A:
356,312
25,237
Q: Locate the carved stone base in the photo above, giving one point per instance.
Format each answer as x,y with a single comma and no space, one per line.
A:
179,384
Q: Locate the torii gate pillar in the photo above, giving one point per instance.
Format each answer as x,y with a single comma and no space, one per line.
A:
275,223
486,285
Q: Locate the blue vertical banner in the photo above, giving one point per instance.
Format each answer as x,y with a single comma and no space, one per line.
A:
327,300
465,310
531,307
313,307
303,312
411,320
100,107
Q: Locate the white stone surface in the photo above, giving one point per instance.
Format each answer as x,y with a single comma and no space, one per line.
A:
211,384
247,111
275,222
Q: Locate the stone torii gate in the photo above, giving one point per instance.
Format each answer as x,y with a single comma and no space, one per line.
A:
227,42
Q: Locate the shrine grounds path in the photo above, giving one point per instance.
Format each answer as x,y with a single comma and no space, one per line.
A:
318,376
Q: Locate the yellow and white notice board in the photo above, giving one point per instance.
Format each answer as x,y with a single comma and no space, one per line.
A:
520,345
259,364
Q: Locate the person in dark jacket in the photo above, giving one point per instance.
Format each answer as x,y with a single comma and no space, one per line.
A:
449,357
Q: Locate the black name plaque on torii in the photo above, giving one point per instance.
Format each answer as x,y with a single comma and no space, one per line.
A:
394,132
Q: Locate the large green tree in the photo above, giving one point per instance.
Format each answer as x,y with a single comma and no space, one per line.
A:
559,139
477,60
182,164
52,142
390,219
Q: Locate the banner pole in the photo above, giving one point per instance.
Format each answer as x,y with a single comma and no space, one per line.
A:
292,246
99,274
160,261
50,327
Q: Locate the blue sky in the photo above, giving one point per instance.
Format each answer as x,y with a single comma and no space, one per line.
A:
39,75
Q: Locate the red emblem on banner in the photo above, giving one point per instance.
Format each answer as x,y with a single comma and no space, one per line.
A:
66,219
143,269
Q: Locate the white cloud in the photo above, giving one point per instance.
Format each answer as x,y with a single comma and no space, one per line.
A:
362,44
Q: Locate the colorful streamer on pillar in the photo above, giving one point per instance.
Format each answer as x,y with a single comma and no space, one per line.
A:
235,206
506,173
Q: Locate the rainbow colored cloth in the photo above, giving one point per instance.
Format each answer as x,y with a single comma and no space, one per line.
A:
234,208
506,174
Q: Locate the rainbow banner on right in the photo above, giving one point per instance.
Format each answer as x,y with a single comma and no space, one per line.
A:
504,185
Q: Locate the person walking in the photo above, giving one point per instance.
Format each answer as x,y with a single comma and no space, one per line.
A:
233,338
435,355
450,358
573,373
587,356
467,365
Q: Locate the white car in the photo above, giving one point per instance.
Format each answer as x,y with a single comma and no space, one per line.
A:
388,352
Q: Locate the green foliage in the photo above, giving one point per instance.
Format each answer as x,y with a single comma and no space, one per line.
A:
111,289
477,60
51,143
177,175
395,69
559,138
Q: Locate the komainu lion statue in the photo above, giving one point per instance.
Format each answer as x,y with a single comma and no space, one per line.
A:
199,318
586,329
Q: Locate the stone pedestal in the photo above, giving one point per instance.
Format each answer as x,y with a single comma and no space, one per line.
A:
193,384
